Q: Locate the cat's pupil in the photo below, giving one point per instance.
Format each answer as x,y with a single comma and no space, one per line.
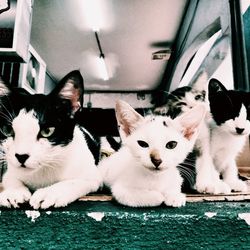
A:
198,97
143,144
171,144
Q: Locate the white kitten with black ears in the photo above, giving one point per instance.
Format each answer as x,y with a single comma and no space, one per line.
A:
230,129
45,150
144,171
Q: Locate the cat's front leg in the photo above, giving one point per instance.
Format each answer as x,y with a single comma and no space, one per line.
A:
204,173
174,199
63,193
172,189
208,181
207,178
136,197
230,177
14,193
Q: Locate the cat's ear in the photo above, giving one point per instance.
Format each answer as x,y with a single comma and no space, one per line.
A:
127,118
71,88
191,120
4,88
215,86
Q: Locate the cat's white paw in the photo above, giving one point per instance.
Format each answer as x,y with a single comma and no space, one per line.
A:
48,197
205,186
175,200
222,188
215,187
238,186
14,197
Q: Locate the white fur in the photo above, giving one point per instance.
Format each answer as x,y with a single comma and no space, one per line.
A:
58,175
207,178
226,146
130,173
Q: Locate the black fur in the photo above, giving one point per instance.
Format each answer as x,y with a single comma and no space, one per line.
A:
225,104
113,143
94,144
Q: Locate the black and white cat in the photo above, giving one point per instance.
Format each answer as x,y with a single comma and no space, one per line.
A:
50,159
144,170
229,128
184,98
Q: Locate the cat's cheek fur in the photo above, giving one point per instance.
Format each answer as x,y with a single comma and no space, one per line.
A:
39,152
230,125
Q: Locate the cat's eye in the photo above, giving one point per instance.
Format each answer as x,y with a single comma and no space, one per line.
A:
47,132
171,144
7,130
198,97
143,144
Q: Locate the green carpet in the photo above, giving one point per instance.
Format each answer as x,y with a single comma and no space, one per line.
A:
107,225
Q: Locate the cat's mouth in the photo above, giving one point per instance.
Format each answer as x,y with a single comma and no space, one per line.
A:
239,134
23,166
155,169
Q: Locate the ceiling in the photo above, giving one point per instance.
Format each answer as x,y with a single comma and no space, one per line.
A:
129,32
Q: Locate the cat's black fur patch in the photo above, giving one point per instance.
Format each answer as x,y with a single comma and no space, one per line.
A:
174,100
94,144
224,104
113,143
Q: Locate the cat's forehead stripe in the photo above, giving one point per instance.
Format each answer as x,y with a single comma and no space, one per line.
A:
243,112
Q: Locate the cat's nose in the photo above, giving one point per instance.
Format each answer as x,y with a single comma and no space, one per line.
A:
22,157
156,161
239,130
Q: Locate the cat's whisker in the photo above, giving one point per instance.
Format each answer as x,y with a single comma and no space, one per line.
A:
5,117
186,173
9,114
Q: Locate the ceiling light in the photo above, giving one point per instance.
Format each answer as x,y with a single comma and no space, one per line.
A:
103,69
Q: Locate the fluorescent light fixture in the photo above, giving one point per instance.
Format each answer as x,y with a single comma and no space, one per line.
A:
103,69
103,66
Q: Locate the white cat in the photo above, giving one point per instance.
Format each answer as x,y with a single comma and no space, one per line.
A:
45,150
144,171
